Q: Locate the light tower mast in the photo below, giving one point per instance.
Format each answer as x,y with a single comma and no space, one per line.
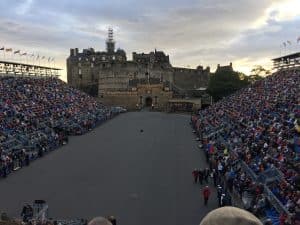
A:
110,43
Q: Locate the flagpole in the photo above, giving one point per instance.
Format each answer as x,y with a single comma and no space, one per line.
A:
285,50
280,50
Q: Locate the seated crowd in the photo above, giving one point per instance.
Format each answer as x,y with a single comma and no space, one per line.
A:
259,126
38,114
225,216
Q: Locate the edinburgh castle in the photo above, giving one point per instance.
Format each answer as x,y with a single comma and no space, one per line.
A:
146,80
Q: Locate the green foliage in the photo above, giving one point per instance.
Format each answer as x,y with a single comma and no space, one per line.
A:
224,83
260,71
253,78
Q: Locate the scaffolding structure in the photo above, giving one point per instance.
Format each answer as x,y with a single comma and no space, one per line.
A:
110,35
21,69
110,43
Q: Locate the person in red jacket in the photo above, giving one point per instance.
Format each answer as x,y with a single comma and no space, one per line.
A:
282,218
195,175
206,194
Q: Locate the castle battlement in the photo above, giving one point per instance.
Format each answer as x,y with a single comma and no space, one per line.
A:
100,72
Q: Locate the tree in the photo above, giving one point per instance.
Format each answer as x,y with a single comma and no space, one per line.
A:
253,78
259,70
224,83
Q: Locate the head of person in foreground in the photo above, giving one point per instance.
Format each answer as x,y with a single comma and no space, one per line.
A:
230,216
99,221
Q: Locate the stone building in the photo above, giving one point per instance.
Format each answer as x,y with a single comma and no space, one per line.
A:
147,78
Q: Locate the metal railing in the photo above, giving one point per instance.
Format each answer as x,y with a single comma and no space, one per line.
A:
274,200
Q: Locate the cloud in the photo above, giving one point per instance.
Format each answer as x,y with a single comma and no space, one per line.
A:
191,32
24,7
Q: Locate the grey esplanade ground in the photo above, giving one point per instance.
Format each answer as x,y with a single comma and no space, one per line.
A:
142,178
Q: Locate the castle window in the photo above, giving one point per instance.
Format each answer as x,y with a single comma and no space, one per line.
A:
79,64
103,65
79,71
93,59
79,59
92,65
103,57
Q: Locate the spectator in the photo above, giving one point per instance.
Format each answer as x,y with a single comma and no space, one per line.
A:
37,115
230,216
99,221
259,127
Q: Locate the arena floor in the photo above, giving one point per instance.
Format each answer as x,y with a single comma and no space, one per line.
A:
142,178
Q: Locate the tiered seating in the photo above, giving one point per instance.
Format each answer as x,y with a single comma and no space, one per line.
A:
259,125
38,114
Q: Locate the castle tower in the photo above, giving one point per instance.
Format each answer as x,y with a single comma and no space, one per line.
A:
110,43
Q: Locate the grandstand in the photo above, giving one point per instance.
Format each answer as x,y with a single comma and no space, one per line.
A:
287,61
21,69
251,138
259,127
38,112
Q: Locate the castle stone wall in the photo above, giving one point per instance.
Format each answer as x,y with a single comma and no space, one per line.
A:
117,81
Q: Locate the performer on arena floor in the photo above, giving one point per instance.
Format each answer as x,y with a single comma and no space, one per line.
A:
206,193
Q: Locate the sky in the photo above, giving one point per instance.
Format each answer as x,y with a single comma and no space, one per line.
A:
191,32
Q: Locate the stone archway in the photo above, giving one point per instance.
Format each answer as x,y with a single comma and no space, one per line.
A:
148,102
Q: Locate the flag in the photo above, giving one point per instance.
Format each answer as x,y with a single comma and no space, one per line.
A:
289,42
53,59
49,59
1,49
24,53
8,50
284,44
298,40
38,56
32,55
18,51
